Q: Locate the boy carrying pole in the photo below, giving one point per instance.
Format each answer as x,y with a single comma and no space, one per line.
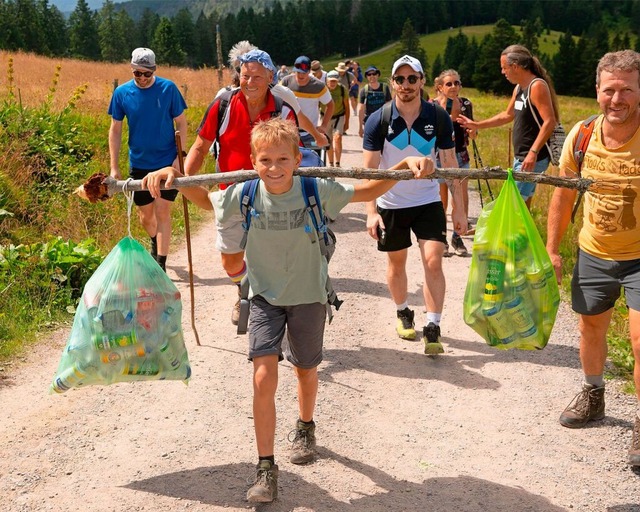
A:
287,275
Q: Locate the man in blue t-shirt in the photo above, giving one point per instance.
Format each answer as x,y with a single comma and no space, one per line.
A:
415,128
154,109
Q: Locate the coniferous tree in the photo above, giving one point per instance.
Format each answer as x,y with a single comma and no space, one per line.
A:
487,76
563,64
30,25
205,34
410,45
456,50
83,32
113,38
531,30
146,29
437,67
184,29
166,46
467,67
56,33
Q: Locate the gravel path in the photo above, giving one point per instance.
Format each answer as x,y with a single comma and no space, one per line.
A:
473,430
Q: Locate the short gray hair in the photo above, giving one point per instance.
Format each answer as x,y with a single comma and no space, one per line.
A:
624,60
238,49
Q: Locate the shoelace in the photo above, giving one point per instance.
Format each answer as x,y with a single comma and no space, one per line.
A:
264,476
300,434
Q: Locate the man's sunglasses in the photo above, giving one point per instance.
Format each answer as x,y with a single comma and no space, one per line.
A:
371,74
412,79
146,74
457,83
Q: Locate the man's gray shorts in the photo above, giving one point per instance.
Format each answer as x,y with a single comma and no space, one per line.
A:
305,331
596,284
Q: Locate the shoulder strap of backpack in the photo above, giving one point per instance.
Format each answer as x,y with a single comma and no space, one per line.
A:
385,120
223,106
246,207
579,150
314,207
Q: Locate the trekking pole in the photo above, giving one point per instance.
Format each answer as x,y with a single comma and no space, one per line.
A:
187,231
476,155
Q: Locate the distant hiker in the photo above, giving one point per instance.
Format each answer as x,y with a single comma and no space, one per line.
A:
282,72
287,276
339,120
318,71
533,96
609,240
410,126
373,95
448,86
154,109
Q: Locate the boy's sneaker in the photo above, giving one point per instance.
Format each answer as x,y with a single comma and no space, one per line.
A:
446,253
634,451
586,406
265,485
405,326
458,245
432,340
303,449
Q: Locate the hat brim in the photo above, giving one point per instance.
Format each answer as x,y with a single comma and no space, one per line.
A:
298,70
143,68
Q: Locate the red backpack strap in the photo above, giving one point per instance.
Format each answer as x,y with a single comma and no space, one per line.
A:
580,149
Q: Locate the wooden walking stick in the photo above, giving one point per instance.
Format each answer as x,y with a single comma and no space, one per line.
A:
187,231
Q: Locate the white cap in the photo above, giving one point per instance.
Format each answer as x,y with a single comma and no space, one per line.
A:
143,58
407,60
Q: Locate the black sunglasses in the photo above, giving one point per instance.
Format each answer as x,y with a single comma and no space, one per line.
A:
412,79
457,83
373,73
146,74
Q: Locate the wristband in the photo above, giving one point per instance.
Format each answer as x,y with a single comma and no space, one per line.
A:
534,151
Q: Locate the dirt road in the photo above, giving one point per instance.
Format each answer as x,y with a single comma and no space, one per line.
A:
473,430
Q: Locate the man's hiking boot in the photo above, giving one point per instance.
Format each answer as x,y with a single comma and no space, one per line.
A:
458,245
303,449
634,451
432,340
235,313
586,406
405,325
265,485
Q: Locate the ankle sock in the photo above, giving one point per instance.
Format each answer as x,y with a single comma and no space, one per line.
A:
595,380
307,423
270,458
154,247
403,306
433,318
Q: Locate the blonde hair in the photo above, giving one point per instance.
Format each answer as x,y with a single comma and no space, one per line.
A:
274,132
439,80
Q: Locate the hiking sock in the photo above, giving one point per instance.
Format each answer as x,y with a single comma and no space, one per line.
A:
162,261
595,380
237,278
270,458
306,423
154,247
403,306
433,318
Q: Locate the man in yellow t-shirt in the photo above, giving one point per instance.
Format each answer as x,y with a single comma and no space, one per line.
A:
609,241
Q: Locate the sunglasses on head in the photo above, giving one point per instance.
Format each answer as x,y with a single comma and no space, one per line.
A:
412,79
457,83
146,74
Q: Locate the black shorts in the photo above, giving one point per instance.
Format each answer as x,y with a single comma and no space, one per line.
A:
428,222
143,197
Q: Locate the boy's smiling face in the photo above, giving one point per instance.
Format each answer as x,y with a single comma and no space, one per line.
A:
275,165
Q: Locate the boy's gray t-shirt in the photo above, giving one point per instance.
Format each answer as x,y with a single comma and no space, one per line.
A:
284,263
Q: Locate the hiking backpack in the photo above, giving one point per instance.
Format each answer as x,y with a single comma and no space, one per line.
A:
579,150
323,235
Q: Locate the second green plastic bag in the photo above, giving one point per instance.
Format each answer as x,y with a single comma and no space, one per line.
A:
512,295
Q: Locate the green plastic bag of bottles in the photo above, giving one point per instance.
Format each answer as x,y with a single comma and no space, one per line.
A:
127,327
512,296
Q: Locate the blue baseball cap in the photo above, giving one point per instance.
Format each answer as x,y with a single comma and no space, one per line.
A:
372,69
302,64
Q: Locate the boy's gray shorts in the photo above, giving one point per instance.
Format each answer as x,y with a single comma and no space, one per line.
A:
304,324
596,284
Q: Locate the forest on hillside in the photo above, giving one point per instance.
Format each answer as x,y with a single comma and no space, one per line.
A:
323,28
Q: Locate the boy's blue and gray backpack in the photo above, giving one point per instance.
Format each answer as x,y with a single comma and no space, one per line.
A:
323,235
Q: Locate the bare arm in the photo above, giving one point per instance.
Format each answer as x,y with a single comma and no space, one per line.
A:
181,126
368,190
371,160
500,119
347,111
115,141
458,215
306,124
541,99
197,195
196,156
361,108
327,116
557,222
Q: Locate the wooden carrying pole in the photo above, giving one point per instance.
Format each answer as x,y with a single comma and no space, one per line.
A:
491,173
187,231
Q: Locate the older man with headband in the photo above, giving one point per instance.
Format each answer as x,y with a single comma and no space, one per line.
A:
245,107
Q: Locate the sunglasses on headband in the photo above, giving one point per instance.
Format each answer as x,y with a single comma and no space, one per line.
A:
146,74
412,79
